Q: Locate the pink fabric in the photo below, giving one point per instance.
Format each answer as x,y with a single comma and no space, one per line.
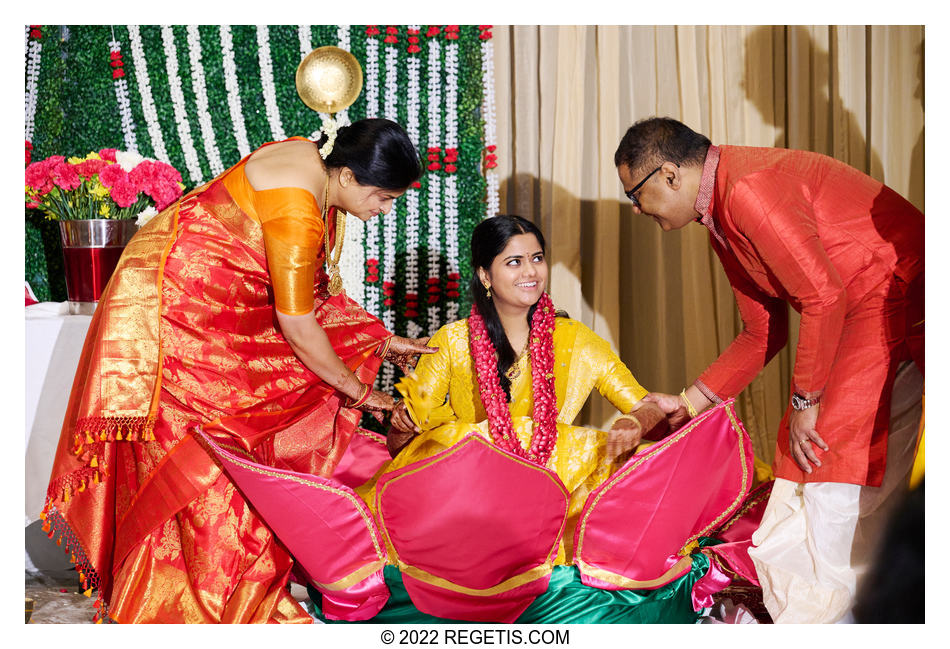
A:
364,456
737,534
474,537
325,526
708,585
30,297
635,524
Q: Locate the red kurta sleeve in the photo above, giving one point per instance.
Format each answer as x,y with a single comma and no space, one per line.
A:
764,333
776,217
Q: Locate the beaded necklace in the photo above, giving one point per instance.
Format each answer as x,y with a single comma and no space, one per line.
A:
541,349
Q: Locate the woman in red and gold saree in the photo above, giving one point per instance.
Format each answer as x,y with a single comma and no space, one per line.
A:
220,314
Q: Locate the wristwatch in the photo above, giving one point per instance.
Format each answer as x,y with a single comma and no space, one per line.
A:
801,403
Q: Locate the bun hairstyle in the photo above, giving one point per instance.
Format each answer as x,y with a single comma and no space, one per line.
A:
377,151
489,239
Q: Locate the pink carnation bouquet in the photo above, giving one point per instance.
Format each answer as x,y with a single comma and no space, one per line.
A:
107,184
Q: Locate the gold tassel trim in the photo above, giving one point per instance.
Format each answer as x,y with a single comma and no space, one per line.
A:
87,593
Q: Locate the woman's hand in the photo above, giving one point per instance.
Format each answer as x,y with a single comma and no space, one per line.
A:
403,352
401,421
377,403
623,436
801,436
672,406
402,429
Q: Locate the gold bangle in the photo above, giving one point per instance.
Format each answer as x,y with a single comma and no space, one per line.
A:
385,348
362,398
689,406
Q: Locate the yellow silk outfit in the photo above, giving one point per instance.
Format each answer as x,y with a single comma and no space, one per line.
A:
186,335
443,399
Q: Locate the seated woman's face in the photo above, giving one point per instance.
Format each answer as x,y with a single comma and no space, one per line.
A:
519,275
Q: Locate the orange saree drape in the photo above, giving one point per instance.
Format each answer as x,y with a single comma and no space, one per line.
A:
185,335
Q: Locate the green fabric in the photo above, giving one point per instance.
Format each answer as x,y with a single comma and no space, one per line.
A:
566,601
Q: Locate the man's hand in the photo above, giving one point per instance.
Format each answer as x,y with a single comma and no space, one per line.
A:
801,436
672,406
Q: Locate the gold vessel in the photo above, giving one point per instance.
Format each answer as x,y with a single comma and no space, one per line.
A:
329,79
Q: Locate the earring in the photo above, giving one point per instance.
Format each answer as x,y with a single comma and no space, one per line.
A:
487,290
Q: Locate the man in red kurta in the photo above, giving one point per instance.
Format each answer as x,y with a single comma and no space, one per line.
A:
845,251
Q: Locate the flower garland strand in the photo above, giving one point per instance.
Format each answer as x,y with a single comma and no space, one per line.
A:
33,57
388,224
353,258
451,205
371,241
234,94
122,97
411,281
178,104
541,350
488,114
267,83
201,101
434,204
145,93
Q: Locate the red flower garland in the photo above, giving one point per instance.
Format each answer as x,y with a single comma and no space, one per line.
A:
541,348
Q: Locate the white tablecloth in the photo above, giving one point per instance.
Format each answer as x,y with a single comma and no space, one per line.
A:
54,341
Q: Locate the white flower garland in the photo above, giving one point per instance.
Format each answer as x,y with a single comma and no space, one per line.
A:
488,114
234,95
124,101
412,194
145,92
178,104
372,231
353,259
201,101
435,181
372,77
451,186
33,56
306,44
267,83
389,223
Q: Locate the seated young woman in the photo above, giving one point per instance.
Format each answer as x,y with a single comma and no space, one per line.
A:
516,373
538,390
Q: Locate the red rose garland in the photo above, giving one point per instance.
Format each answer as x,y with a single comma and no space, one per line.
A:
541,350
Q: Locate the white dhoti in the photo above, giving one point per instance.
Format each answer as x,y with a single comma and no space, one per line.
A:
818,539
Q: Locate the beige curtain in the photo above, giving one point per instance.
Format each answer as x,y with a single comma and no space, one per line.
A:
566,94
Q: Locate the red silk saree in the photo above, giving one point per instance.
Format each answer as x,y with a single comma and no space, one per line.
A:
186,335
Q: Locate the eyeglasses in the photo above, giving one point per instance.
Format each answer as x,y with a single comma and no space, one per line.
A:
632,194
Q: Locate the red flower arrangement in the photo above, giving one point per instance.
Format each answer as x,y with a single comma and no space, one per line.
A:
106,184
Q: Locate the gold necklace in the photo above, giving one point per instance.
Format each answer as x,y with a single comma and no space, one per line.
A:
514,371
335,284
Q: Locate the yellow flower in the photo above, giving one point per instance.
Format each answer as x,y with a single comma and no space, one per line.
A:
74,160
93,156
99,190
104,210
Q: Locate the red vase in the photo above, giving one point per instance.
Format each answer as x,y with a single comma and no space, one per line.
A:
91,250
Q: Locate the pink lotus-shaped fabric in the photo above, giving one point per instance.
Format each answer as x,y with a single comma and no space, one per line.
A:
637,528
732,555
475,530
363,457
326,527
